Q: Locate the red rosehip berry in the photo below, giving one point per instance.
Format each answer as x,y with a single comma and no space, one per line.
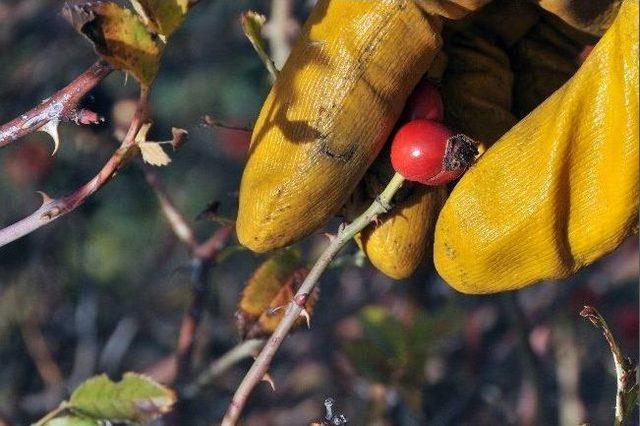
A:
428,152
424,103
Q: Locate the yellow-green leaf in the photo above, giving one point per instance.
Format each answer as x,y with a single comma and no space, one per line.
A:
119,37
72,421
135,398
162,17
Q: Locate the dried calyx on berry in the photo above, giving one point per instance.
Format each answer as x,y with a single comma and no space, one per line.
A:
460,152
428,152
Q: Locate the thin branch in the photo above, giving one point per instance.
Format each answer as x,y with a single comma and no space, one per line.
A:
176,220
627,386
210,121
295,308
52,209
40,354
246,349
59,107
203,256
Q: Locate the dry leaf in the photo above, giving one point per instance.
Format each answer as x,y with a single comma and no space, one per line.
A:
118,36
152,152
267,293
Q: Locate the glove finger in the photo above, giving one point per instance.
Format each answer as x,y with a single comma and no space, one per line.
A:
329,113
398,243
404,238
477,89
560,189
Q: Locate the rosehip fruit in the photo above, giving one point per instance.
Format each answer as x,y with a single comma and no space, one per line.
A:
424,103
428,152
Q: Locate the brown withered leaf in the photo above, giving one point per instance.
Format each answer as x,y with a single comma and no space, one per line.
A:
118,36
162,17
268,292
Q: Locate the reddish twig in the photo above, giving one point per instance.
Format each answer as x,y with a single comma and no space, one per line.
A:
59,107
40,354
202,258
53,209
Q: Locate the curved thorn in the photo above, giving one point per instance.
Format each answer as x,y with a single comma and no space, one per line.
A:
45,197
51,127
304,313
267,378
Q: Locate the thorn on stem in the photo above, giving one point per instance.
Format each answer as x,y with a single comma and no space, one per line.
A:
305,314
267,378
51,127
45,197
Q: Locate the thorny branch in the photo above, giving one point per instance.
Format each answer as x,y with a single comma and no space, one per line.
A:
52,209
296,307
627,386
62,106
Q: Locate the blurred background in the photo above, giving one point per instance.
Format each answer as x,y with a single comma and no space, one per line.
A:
104,288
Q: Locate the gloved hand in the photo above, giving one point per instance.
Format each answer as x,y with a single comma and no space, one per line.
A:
560,189
479,99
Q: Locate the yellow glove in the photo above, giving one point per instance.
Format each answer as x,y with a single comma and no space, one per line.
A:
344,85
331,110
560,189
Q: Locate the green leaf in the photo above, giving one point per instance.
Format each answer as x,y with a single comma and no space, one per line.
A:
135,398
72,421
162,17
119,37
